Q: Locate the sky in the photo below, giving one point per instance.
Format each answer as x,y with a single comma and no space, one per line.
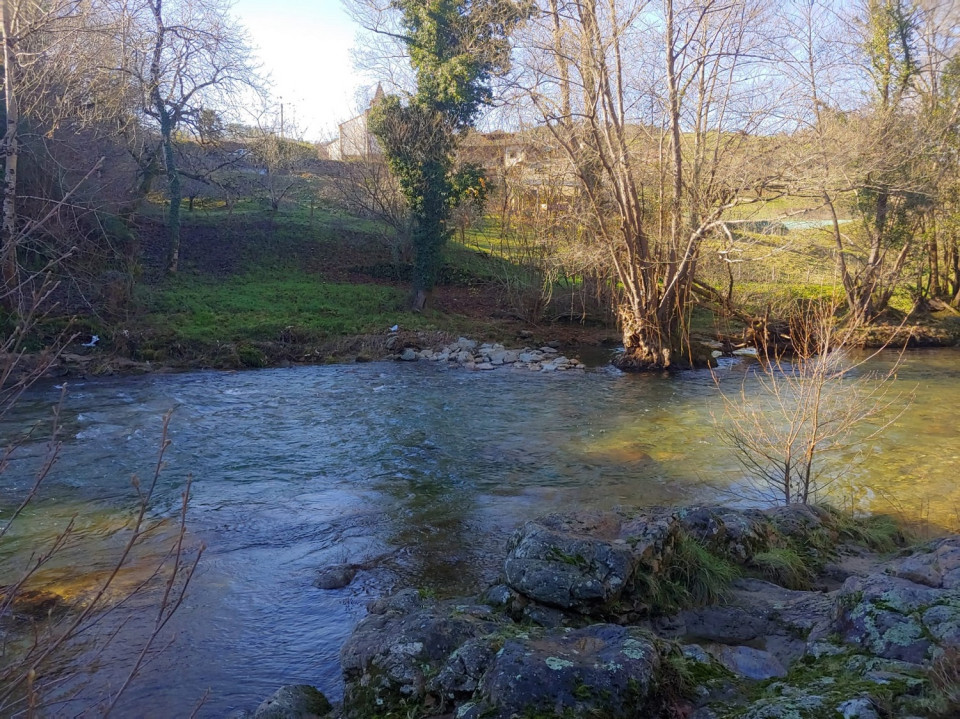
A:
304,46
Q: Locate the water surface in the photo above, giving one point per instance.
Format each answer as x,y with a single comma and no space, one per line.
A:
424,468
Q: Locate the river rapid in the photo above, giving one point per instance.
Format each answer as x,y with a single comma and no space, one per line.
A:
416,471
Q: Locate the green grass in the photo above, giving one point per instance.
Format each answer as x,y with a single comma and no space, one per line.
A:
693,576
878,532
784,566
704,576
274,306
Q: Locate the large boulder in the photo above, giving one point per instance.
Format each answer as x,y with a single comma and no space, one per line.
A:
466,658
404,641
895,618
780,621
585,562
600,670
935,565
737,535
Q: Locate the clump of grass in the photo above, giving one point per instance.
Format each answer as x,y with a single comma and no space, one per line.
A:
879,532
942,697
692,576
784,566
703,576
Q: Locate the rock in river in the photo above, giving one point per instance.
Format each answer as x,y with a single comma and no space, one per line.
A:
296,701
335,577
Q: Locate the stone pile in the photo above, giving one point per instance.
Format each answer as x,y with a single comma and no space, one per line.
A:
471,355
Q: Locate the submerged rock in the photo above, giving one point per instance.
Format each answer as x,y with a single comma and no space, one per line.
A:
296,701
335,577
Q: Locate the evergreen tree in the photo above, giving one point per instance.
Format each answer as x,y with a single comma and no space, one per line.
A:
456,48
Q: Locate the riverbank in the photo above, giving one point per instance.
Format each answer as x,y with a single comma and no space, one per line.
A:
598,344
261,289
697,612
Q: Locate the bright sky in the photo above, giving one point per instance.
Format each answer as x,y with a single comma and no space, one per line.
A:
305,47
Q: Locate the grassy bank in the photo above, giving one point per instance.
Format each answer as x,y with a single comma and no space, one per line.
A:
312,284
260,288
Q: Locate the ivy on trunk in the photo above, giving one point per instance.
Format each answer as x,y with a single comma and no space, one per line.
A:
456,47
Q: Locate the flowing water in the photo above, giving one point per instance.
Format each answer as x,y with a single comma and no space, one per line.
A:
418,471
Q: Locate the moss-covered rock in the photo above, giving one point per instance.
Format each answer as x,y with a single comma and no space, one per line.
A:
895,618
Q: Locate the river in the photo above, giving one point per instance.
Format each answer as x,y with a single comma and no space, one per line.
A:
424,468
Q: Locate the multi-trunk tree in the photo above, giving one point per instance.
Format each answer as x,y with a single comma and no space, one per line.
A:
654,105
872,141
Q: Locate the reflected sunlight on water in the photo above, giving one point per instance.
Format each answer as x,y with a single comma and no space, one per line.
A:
430,469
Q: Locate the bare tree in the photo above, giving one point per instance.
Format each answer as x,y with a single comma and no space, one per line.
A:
280,152
366,188
658,169
183,58
53,87
938,85
799,429
863,142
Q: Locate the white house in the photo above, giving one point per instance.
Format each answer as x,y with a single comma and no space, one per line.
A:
354,140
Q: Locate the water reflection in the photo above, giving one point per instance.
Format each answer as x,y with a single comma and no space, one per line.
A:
425,469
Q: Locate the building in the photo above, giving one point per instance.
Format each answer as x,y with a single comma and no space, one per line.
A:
354,140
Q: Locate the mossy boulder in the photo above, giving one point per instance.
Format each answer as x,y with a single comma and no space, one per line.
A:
898,619
402,644
734,534
600,670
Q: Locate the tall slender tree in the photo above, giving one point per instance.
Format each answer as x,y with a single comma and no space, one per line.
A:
456,48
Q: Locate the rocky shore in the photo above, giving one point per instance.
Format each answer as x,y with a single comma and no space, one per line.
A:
701,613
471,355
83,361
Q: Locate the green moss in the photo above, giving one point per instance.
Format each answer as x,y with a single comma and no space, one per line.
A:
575,560
815,686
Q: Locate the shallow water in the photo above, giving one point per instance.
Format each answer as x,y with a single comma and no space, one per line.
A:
426,468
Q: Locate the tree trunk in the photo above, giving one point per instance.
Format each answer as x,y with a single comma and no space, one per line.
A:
174,193
148,167
167,122
12,292
419,300
652,344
